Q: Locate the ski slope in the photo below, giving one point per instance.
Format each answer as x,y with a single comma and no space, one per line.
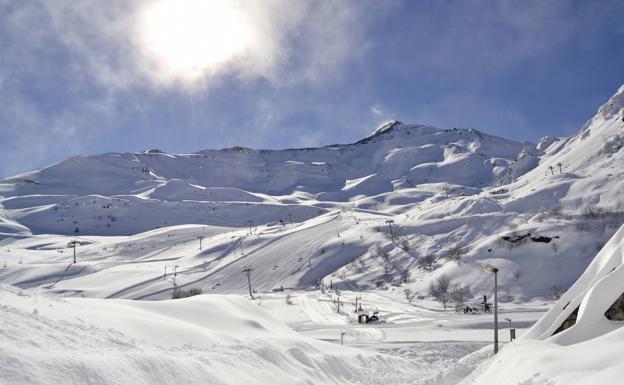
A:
302,216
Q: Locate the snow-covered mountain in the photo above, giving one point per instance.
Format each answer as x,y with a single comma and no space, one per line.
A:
403,206
232,186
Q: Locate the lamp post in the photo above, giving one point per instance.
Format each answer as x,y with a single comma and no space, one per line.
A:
510,333
492,269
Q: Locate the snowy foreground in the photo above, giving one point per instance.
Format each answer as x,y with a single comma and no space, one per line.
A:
209,339
226,339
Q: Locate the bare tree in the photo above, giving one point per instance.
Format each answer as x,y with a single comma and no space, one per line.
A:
405,275
427,262
557,291
409,295
405,245
440,289
456,254
458,296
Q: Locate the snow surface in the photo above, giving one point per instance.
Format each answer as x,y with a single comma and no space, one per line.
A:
588,352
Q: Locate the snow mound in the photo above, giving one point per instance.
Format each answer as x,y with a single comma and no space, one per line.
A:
589,298
207,339
579,341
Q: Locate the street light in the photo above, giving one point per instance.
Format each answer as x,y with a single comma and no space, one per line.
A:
511,336
492,269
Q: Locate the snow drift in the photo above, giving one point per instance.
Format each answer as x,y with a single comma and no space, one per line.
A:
580,340
207,339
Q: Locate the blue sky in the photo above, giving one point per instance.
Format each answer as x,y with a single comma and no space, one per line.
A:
86,77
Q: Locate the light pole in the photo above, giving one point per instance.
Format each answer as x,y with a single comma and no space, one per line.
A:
492,269
511,334
73,244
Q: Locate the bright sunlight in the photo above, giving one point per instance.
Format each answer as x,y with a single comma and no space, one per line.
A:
189,38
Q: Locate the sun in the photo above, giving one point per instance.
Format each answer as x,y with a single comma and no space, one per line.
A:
189,38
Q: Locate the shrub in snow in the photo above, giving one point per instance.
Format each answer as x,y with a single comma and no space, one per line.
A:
181,293
427,262
405,276
593,212
456,254
557,291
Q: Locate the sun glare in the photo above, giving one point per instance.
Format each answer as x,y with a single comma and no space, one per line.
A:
189,38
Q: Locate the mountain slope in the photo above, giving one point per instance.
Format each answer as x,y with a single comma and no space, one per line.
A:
213,187
404,206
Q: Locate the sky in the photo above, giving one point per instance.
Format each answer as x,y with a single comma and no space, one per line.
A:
88,77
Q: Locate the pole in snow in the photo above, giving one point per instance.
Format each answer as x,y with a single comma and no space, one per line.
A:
390,222
73,244
510,332
491,269
247,271
200,241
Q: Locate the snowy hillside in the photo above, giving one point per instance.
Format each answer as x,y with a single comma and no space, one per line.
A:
404,206
124,194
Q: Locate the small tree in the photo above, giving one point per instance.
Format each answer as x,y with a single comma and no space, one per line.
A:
405,245
458,296
409,295
593,212
440,289
405,276
427,262
456,254
557,291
